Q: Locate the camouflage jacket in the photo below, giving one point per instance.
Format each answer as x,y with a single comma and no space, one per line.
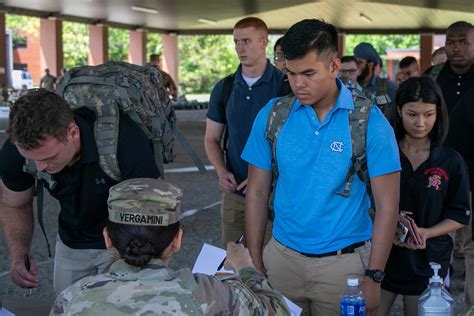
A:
155,289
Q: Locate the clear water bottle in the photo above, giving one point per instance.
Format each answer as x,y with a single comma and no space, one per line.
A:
435,300
352,299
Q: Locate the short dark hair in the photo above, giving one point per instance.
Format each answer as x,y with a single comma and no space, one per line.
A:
406,62
37,115
348,59
441,50
154,57
277,43
459,25
421,89
254,22
309,35
138,244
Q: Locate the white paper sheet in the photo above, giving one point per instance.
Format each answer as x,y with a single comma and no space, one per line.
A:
209,259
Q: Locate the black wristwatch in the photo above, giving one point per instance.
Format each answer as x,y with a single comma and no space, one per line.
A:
376,275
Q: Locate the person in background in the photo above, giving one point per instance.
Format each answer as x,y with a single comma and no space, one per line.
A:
382,89
439,56
349,72
278,56
168,82
48,81
144,231
409,67
234,104
434,187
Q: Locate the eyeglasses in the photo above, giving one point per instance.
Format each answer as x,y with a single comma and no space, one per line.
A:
279,57
348,71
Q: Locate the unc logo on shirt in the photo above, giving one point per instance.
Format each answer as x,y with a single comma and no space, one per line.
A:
100,181
337,146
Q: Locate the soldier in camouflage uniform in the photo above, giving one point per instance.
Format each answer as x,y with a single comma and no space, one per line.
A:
144,228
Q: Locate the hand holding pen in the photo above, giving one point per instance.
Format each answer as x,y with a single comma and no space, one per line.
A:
223,260
26,261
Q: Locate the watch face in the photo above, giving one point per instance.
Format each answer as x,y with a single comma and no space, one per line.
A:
378,275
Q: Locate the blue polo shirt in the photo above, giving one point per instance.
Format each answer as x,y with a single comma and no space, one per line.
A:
313,160
242,108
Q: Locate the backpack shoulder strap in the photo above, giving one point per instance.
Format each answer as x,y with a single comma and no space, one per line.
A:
227,85
435,70
276,119
30,168
381,92
358,123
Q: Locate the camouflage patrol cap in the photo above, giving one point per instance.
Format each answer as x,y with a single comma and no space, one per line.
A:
144,201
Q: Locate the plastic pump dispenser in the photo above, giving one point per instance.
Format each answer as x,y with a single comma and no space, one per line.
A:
435,300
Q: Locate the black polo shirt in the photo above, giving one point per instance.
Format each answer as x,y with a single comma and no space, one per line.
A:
437,190
82,189
452,85
461,131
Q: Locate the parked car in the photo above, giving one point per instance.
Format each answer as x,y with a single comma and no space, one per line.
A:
21,78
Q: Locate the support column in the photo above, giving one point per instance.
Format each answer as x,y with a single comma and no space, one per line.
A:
170,62
51,31
98,44
3,49
426,47
341,44
137,47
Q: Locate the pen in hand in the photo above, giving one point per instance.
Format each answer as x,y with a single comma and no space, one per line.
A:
223,260
26,260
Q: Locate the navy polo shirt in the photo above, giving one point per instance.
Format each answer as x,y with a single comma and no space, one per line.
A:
438,189
83,188
240,112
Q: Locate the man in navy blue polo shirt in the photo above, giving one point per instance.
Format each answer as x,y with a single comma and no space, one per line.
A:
254,83
61,142
320,238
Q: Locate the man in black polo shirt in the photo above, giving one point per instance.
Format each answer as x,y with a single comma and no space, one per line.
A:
456,79
44,129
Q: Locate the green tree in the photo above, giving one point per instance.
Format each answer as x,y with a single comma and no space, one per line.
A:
75,44
21,25
154,44
204,60
382,42
118,44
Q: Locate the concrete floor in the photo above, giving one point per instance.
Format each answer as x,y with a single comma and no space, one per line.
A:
199,191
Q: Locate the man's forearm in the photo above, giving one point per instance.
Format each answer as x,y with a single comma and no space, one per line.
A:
382,237
18,227
215,155
386,192
256,215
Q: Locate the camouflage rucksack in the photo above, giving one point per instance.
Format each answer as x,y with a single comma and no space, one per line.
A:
381,97
137,91
358,123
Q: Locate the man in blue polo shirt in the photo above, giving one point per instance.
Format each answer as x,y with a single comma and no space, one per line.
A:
320,238
234,103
